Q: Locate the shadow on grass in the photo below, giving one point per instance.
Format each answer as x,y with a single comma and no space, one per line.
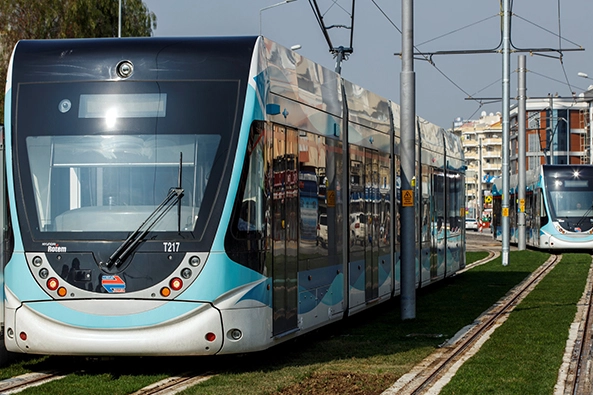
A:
441,310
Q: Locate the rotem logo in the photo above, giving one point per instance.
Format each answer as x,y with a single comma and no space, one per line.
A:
54,247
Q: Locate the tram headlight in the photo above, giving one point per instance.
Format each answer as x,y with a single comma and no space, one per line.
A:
43,273
125,69
194,261
235,334
37,261
186,273
65,106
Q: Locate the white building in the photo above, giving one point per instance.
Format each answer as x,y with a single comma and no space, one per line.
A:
482,144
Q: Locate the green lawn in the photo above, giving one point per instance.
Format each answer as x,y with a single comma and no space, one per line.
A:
524,354
363,355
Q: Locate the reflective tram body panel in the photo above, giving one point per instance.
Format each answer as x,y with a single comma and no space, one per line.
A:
194,196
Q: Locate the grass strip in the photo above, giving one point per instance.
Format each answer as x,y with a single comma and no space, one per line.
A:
523,355
368,352
364,354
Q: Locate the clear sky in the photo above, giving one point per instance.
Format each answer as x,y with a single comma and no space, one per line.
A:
438,25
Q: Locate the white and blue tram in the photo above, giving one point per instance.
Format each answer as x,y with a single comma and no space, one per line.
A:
558,208
165,197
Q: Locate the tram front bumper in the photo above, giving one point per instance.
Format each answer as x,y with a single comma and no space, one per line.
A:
59,328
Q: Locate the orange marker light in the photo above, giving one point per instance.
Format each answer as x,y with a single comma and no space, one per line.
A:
165,292
62,291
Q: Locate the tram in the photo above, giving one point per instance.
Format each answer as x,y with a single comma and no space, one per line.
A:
558,208
200,196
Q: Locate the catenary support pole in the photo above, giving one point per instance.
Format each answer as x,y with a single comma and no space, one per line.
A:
521,118
480,178
407,126
506,101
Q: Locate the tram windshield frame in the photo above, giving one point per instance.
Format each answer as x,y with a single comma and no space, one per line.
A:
569,194
95,159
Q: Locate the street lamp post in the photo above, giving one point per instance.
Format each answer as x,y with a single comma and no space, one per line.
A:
271,6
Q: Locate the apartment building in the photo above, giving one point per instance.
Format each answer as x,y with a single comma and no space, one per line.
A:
558,131
482,144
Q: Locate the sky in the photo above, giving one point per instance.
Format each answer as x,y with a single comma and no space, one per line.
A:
443,90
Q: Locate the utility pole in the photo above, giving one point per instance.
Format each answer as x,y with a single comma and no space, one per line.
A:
408,158
506,101
521,118
480,193
506,49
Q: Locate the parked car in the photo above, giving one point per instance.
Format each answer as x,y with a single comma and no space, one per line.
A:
358,224
471,224
322,231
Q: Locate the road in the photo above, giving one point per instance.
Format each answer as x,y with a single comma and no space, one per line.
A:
480,241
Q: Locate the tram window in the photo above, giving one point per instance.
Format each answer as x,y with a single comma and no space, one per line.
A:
89,183
244,241
251,212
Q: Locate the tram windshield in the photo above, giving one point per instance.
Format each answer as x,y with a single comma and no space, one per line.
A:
99,158
570,196
112,183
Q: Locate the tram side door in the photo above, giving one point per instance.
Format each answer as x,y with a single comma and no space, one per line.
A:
438,225
285,229
372,218
427,223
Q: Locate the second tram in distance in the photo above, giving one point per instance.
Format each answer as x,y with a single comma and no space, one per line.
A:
558,208
199,196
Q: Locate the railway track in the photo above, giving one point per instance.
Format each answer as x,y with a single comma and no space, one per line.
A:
435,371
576,374
20,383
168,386
175,384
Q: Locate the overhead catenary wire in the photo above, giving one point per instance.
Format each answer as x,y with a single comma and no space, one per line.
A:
456,30
560,50
428,56
430,60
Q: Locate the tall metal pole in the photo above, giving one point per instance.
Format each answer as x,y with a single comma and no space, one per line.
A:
479,186
506,101
407,126
522,151
119,21
591,133
550,131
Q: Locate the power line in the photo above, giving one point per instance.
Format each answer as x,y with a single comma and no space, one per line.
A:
547,30
456,30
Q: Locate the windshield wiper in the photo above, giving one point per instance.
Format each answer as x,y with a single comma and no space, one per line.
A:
122,252
587,213
173,198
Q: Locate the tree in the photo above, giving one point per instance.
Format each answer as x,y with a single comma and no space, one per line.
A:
44,19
